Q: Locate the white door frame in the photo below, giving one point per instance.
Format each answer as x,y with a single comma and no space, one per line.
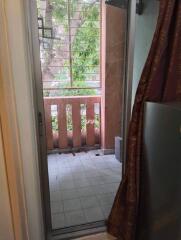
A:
17,115
128,80
31,13
6,223
34,40
24,71
127,86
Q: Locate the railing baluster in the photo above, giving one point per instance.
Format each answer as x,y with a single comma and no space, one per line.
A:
76,120
90,136
48,126
62,126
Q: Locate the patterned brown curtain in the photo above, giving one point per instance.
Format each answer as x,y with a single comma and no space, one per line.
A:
160,82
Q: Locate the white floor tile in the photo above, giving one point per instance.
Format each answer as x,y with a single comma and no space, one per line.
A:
82,187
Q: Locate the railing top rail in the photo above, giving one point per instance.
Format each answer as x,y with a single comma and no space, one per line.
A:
65,97
72,99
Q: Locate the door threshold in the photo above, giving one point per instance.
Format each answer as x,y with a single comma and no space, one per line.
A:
77,231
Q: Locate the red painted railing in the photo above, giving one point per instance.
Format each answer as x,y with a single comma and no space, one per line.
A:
62,136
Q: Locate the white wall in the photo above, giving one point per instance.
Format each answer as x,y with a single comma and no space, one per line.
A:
6,225
145,27
19,49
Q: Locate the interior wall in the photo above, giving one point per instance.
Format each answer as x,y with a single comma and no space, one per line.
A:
6,223
145,28
19,49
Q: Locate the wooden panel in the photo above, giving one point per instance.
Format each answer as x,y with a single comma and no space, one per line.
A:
62,126
76,121
48,125
90,136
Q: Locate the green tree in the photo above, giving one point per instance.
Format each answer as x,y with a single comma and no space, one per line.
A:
84,44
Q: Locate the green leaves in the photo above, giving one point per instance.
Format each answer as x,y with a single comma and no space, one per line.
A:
59,10
84,28
86,47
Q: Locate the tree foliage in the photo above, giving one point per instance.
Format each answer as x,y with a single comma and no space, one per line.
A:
84,45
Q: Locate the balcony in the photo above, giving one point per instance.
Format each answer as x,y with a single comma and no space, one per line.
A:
72,122
82,76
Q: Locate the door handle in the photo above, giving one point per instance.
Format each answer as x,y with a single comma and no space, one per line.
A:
139,7
40,124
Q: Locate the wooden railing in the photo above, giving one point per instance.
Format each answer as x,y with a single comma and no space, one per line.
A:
63,137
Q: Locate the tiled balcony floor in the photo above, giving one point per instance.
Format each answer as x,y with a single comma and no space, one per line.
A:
82,187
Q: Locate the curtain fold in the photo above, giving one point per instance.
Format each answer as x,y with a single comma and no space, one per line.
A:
160,82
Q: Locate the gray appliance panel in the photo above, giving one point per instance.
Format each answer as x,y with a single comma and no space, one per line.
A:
160,208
